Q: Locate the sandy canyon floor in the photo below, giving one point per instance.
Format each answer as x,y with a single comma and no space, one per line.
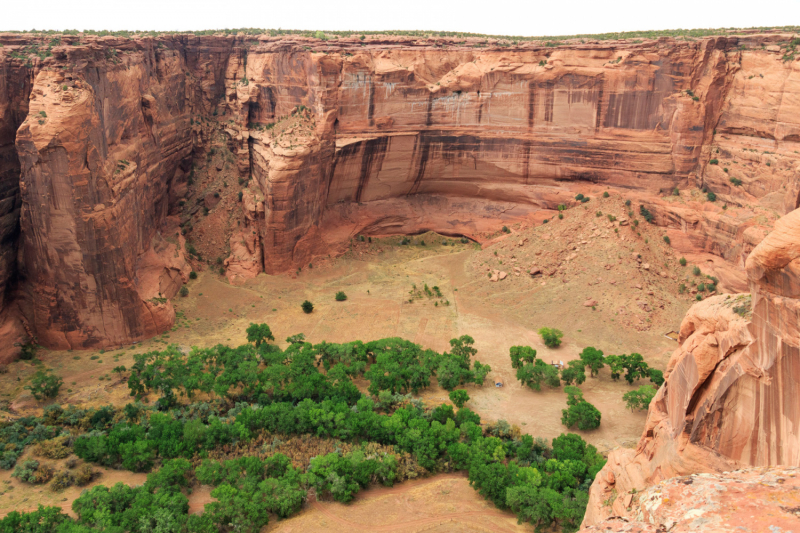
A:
629,272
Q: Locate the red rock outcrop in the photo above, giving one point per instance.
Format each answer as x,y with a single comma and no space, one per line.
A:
756,499
730,396
346,137
99,150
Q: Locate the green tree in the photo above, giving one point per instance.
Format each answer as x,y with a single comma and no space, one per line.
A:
259,334
44,385
341,296
479,372
616,365
307,307
656,376
573,372
593,358
639,398
635,367
137,456
551,337
579,411
582,413
119,370
236,510
459,397
520,355
536,373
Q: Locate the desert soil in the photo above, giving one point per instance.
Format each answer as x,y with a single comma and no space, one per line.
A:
630,273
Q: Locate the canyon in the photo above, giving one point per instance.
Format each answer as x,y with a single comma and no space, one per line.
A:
120,159
100,137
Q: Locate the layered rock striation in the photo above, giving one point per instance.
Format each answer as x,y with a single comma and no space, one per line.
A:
337,138
730,396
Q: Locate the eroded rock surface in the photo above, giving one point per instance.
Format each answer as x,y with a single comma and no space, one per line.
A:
730,396
99,135
750,501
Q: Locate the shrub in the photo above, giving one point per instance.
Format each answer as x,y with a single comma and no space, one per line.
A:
711,196
698,297
682,261
459,397
579,197
62,480
506,230
676,192
44,385
307,307
647,215
736,182
56,448
28,351
84,475
666,239
184,292
605,194
696,270
640,398
681,288
627,203
341,296
31,471
713,162
192,275
551,337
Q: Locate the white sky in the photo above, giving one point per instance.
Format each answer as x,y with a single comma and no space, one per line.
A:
499,17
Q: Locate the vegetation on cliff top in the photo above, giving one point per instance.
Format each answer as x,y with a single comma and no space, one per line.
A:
552,40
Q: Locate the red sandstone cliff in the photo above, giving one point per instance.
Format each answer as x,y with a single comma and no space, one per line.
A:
379,137
730,397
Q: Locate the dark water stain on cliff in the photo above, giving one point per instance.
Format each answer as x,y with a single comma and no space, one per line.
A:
372,154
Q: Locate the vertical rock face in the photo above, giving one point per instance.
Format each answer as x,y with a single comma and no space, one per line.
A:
15,86
730,397
100,150
342,138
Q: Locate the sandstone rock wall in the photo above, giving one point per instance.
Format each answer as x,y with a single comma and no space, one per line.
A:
387,136
730,396
502,131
